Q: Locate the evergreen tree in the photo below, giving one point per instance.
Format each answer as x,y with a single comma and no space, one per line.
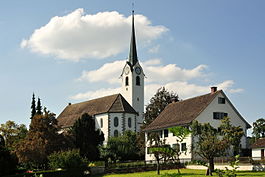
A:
39,107
33,106
87,138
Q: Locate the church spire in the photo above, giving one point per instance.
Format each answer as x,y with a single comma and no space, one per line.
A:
133,52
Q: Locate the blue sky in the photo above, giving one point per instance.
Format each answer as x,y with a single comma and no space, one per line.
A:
186,46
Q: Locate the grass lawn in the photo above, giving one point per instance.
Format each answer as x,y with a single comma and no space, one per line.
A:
184,172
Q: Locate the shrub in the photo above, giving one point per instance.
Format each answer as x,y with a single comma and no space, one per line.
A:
8,161
66,159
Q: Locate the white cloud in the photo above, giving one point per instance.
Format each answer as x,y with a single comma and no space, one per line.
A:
77,35
170,76
155,49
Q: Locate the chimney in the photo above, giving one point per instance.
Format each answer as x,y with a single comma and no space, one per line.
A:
69,104
213,90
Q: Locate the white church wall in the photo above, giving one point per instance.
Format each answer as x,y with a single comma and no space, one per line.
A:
104,127
111,123
207,116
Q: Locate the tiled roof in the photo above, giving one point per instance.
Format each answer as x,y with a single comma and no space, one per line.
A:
260,143
182,112
109,104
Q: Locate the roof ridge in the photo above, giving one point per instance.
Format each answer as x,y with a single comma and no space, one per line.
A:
122,101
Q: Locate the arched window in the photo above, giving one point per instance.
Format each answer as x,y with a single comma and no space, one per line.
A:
101,123
129,122
137,80
116,122
116,133
127,81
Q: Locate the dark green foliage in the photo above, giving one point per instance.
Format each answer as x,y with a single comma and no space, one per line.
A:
121,148
259,128
33,106
2,141
39,107
87,138
8,161
66,160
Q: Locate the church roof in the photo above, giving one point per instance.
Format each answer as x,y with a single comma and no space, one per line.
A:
184,112
108,104
260,143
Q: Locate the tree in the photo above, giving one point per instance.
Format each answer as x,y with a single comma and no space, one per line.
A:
39,107
181,133
232,134
13,133
87,138
33,106
41,140
8,162
123,148
208,143
259,128
158,103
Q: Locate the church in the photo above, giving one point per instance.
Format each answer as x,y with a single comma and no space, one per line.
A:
117,113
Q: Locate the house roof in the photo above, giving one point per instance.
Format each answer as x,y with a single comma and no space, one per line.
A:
184,112
259,143
108,104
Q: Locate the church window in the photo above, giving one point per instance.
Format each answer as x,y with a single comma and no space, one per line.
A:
116,133
116,122
101,123
137,80
129,122
127,81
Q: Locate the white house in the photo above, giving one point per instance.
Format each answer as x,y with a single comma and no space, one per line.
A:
209,108
115,113
258,149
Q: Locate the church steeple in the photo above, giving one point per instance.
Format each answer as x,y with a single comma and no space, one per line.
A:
133,52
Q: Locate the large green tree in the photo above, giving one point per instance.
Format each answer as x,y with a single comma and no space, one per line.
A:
259,128
41,140
87,138
13,133
208,143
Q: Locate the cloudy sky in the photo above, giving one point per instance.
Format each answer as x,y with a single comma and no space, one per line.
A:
74,50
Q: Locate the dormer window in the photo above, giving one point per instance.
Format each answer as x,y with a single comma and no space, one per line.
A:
221,100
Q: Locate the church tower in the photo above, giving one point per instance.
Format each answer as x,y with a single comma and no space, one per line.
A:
133,80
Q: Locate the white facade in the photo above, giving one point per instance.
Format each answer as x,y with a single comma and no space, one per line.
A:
207,116
133,89
106,123
258,153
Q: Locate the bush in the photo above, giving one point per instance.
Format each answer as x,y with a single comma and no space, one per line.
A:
66,160
8,162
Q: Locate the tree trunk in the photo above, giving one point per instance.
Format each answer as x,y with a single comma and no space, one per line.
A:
210,167
157,166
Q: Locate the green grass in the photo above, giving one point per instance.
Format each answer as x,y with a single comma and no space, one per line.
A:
184,172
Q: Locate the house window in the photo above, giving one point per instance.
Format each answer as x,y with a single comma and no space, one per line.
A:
129,122
116,122
221,100
166,133
161,133
137,80
101,123
219,115
116,133
183,147
127,81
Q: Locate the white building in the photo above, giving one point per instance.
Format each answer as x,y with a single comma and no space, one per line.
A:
209,108
115,113
258,149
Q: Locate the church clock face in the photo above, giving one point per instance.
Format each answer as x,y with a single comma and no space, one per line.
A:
127,70
138,70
